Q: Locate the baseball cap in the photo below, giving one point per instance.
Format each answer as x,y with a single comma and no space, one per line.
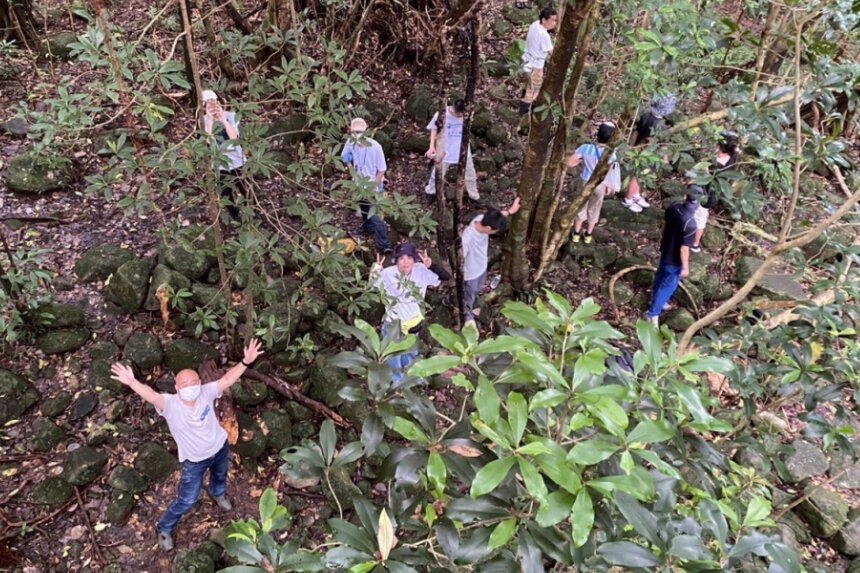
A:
358,124
208,95
406,248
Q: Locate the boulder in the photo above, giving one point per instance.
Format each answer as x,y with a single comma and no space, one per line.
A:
99,377
30,173
847,539
83,405
46,435
52,491
772,285
277,427
61,341
854,566
386,142
496,135
342,487
205,295
416,143
286,318
143,349
312,307
484,164
678,319
289,130
421,105
519,16
16,396
60,45
53,407
604,256
154,462
805,461
104,349
249,393
115,411
193,562
100,262
510,116
83,465
379,113
99,435
501,27
252,441
714,238
823,510
190,251
162,275
499,69
56,315
326,381
119,507
129,284
16,126
846,468
481,121
182,353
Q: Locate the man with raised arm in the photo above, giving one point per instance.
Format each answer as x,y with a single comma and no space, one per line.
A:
202,442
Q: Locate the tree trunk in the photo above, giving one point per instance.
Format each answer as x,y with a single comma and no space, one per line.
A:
516,265
18,24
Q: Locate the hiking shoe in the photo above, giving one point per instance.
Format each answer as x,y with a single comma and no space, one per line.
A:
640,200
165,541
655,320
696,248
587,239
577,237
222,501
470,323
632,205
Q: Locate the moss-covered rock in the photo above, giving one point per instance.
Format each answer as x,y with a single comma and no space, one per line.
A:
519,16
31,173
154,462
823,510
183,353
56,405
342,487
806,460
193,562
129,284
104,350
143,349
126,478
252,441
416,143
421,105
52,491
326,381
61,341
190,251
496,135
289,130
678,319
98,263
249,393
847,539
205,295
60,45
16,126
279,429
46,435
83,465
99,377
16,396
163,275
56,315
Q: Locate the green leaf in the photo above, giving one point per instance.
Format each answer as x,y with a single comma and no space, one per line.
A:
710,364
437,472
328,439
350,452
303,560
409,430
613,416
691,399
690,548
370,338
581,518
503,533
523,315
650,431
591,452
547,399
488,432
556,467
627,554
504,344
362,567
448,339
539,365
658,463
652,346
533,449
637,483
490,476
758,513
268,503
487,400
714,520
396,347
461,381
533,480
558,507
517,417
434,365
642,520
352,536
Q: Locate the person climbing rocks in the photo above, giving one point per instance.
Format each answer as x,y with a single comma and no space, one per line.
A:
537,49
451,140
367,160
403,286
475,242
727,157
589,155
200,439
649,121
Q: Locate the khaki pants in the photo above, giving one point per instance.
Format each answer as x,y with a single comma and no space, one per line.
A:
591,211
535,80
471,178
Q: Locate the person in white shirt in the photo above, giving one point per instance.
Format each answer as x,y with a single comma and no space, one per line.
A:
224,128
451,140
475,241
537,50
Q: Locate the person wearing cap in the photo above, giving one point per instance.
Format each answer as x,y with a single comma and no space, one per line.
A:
452,138
727,157
367,160
648,122
403,286
475,242
200,439
589,155
679,230
537,49
223,126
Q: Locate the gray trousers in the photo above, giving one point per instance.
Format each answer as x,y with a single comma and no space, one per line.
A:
471,289
471,178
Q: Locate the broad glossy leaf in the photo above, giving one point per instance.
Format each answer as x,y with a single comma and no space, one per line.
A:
710,364
627,554
517,416
540,366
243,550
558,507
409,430
343,556
491,475
650,431
523,315
758,513
268,503
558,469
530,555
637,483
582,518
547,399
363,567
372,432
591,451
652,346
448,339
613,416
437,473
659,464
352,536
503,344
533,449
690,548
642,520
303,560
348,359
503,533
350,452
714,520
487,400
467,510
385,538
533,481
434,365
328,439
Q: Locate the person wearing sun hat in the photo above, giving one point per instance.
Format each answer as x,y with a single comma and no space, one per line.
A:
403,286
224,128
367,160
648,122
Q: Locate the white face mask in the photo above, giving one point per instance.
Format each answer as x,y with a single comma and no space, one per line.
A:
189,393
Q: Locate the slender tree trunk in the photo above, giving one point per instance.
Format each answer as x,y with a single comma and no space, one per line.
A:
17,23
516,265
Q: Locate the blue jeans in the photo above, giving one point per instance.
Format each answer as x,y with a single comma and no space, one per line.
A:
190,482
666,280
375,225
400,362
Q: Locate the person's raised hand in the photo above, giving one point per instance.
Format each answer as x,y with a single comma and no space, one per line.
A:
515,206
252,351
122,374
425,258
380,258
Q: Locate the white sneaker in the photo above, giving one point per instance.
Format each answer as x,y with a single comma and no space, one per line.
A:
655,320
470,323
632,205
640,200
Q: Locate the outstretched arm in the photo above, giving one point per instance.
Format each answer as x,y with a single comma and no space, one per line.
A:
515,206
125,375
252,351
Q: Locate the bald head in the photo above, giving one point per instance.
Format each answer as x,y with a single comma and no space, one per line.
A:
187,377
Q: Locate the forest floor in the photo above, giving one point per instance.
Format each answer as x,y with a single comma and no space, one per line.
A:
36,539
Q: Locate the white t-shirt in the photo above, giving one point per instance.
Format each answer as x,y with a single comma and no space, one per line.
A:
538,46
475,247
234,157
452,135
195,428
403,289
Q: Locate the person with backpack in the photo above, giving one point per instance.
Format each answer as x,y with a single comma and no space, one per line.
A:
589,155
451,140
